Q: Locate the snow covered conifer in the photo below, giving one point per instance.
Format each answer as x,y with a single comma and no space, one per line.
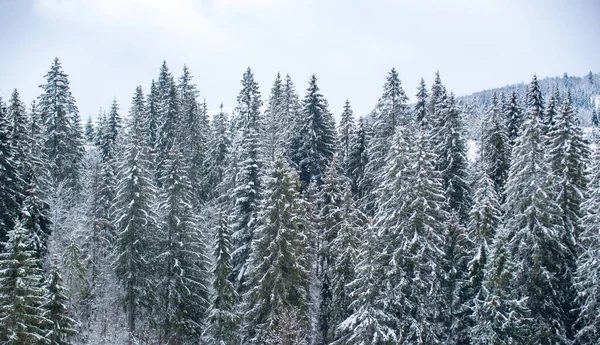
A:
420,111
279,280
247,192
315,138
346,132
63,136
62,326
595,120
182,259
391,111
500,313
357,157
218,148
536,237
588,263
534,101
9,188
168,119
222,317
514,117
452,160
88,130
552,109
346,250
135,221
275,121
485,219
496,151
22,315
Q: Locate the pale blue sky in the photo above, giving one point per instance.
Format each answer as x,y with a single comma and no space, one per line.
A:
109,46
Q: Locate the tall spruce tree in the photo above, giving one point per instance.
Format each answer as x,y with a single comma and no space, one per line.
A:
357,157
9,188
500,313
496,151
314,141
275,121
136,221
22,315
569,155
63,137
168,119
346,251
279,281
588,275
453,162
391,111
536,235
410,220
595,121
329,200
182,258
552,109
223,319
420,111
62,327
218,148
247,190
346,132
485,220
534,102
88,130
514,117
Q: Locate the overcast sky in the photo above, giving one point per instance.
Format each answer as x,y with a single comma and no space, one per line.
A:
109,46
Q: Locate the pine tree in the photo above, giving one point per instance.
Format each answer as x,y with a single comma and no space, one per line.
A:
152,119
9,188
514,117
501,315
88,131
182,258
588,275
135,221
222,317
437,91
357,157
453,162
291,114
370,321
496,151
248,180
275,121
485,219
218,149
279,281
535,235
568,154
63,137
113,123
329,200
391,111
346,251
21,295
535,101
62,327
18,131
552,109
168,119
194,133
315,137
420,111
346,132
410,220
595,120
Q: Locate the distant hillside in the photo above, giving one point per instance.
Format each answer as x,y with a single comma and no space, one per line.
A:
584,90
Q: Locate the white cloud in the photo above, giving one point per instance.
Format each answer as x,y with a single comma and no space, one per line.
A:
254,6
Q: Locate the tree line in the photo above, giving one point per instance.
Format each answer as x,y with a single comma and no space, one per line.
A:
275,225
